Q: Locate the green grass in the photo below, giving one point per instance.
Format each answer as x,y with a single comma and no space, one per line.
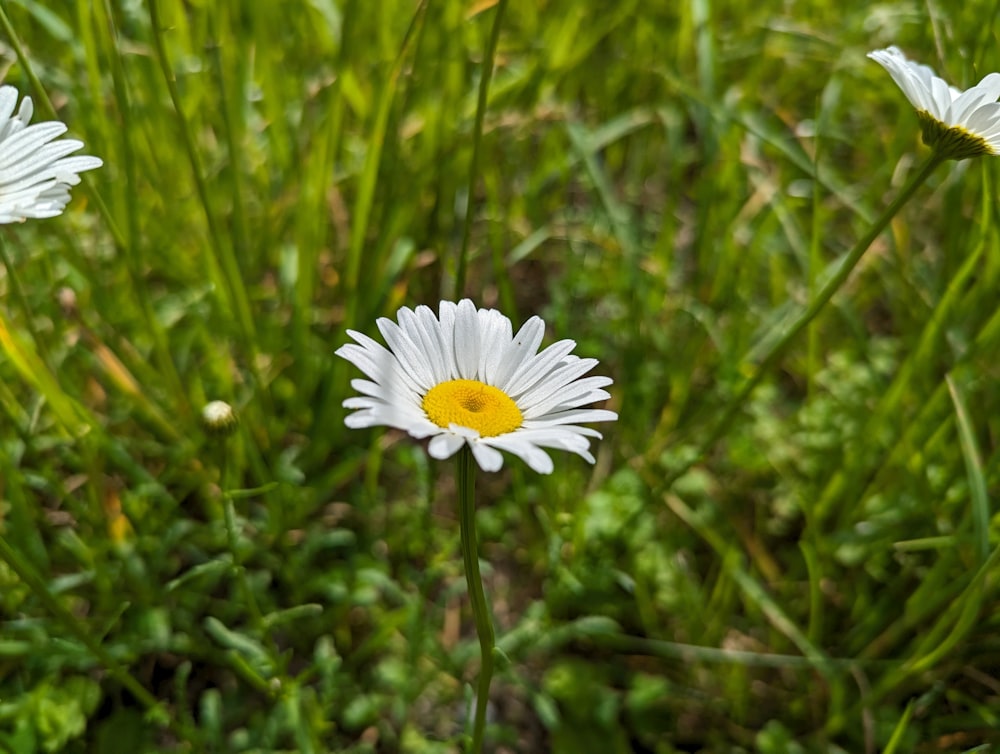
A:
668,184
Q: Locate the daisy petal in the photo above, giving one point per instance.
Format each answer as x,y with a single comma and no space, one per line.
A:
531,454
489,459
466,340
445,446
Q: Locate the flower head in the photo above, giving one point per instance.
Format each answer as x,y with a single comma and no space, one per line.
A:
35,171
463,377
219,418
955,123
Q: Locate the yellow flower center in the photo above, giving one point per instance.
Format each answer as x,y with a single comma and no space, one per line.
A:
472,404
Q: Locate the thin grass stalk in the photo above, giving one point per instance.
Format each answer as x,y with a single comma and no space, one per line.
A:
369,174
311,220
233,147
222,259
974,471
353,287
477,138
132,249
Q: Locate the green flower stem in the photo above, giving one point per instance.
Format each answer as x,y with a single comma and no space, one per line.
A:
828,291
477,138
26,572
480,610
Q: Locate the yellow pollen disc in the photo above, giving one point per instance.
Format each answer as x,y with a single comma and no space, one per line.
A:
472,404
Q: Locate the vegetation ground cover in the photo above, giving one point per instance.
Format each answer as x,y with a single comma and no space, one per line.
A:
668,184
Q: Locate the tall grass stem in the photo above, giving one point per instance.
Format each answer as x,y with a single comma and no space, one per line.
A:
477,138
221,257
133,250
368,180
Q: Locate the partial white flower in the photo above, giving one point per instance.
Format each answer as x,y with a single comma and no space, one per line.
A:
463,377
955,123
35,171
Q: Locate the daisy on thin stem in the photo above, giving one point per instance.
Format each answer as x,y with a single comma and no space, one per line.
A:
35,171
957,124
465,380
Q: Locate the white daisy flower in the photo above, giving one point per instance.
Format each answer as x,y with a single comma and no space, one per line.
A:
463,377
35,171
955,123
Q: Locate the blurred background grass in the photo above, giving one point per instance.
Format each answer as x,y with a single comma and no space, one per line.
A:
665,183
